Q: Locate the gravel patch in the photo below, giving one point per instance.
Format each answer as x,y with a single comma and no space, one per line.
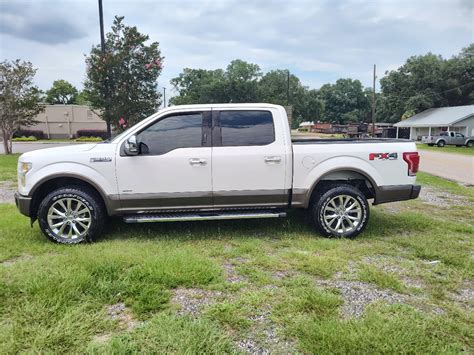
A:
441,198
231,274
7,191
192,300
465,295
264,337
358,295
121,313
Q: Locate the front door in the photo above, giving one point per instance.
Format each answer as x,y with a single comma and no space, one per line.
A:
249,160
173,167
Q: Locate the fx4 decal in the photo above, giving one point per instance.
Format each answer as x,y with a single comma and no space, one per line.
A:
383,156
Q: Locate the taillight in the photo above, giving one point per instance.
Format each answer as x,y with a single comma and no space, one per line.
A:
413,161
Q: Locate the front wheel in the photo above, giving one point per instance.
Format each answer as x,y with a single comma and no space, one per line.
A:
469,144
71,215
340,211
441,144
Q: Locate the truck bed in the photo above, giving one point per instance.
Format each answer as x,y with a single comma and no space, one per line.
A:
346,140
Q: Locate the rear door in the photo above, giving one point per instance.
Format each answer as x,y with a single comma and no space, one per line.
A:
248,159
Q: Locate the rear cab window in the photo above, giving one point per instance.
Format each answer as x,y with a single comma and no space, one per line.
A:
246,128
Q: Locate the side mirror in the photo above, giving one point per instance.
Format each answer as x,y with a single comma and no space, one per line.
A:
131,146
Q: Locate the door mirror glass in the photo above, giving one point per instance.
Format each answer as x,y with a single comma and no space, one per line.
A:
131,146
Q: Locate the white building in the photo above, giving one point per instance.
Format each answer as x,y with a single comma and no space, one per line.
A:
435,120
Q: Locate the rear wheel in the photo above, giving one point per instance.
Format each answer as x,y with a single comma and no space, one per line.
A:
71,215
469,144
441,144
340,211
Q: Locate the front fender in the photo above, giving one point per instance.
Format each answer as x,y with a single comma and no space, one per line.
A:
69,169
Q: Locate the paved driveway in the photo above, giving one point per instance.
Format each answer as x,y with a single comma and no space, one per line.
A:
455,167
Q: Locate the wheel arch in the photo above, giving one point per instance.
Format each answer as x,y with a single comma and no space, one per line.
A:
348,175
48,184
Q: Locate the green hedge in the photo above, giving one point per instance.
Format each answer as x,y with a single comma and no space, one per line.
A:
25,139
89,139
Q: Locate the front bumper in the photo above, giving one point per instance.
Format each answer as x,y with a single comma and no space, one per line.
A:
23,204
394,193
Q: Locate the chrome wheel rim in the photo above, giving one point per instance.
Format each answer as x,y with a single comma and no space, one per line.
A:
69,218
342,214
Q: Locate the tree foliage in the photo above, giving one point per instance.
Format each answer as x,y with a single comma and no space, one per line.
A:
427,81
20,100
62,92
345,101
122,83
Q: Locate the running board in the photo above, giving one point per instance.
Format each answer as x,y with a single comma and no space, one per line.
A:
201,216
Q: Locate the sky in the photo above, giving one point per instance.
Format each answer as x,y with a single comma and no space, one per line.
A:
319,41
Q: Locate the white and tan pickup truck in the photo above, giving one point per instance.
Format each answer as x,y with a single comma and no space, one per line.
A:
211,162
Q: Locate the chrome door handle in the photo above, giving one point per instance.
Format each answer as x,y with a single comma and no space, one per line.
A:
272,159
197,161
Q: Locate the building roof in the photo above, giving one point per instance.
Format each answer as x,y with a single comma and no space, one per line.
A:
438,117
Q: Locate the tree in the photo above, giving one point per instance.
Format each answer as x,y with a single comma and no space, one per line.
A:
241,81
345,101
20,100
199,86
62,92
238,83
123,81
427,81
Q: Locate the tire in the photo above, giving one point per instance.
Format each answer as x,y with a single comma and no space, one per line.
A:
71,215
327,203
469,144
441,144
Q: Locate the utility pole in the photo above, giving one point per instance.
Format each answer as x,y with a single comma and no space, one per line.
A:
164,97
288,87
102,48
101,21
373,104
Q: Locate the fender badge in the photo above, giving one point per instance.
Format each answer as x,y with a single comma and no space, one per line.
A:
101,160
383,156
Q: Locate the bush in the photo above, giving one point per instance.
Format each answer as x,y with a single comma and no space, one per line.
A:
29,133
25,139
92,133
89,139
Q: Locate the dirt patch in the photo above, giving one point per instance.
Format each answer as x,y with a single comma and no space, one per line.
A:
12,261
358,295
7,191
121,313
192,300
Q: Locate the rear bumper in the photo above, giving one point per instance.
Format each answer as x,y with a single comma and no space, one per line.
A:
23,204
394,193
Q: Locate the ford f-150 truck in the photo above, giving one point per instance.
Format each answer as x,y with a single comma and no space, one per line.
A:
211,162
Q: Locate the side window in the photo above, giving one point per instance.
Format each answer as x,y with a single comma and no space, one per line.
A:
246,128
172,132
459,135
452,134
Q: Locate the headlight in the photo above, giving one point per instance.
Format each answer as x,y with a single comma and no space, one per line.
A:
23,168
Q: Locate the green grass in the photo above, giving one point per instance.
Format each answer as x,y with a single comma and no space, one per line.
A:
447,149
54,298
8,166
